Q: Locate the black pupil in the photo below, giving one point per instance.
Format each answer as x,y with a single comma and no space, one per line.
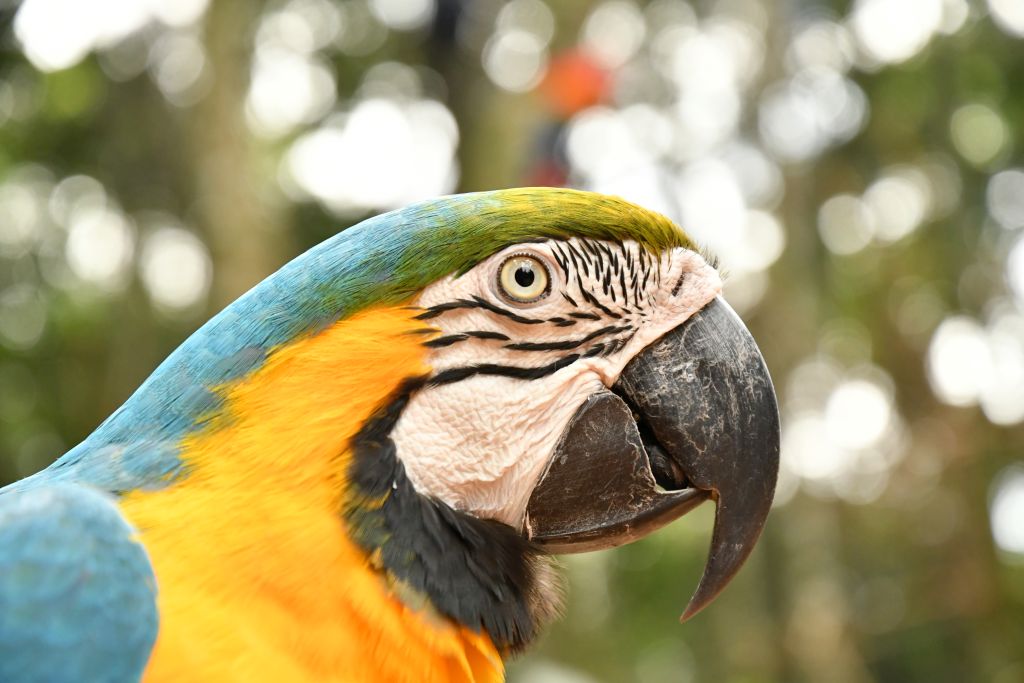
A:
524,276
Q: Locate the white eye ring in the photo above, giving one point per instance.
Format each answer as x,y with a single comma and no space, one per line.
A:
523,279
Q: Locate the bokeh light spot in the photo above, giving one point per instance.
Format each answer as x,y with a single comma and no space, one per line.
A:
892,31
959,364
57,34
403,15
969,364
845,224
23,312
822,44
759,177
19,219
515,60
175,268
712,205
1005,198
858,413
801,117
979,133
1006,510
382,155
899,201
763,240
1002,399
288,89
1015,270
178,12
75,194
532,16
1008,15
100,246
177,63
841,431
613,32
807,449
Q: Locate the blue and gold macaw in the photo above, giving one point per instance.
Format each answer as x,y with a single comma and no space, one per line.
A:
357,470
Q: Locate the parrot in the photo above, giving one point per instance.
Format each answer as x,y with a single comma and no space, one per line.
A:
363,469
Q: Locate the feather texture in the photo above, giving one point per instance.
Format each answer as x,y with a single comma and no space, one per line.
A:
77,595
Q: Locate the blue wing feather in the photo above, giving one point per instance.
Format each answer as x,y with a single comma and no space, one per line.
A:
77,592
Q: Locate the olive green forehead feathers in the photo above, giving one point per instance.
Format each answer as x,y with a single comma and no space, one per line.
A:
465,229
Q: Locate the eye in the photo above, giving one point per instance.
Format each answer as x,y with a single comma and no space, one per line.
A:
523,279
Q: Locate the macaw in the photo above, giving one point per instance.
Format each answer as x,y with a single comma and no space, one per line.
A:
357,471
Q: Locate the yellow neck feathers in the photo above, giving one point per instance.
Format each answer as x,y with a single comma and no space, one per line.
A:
258,579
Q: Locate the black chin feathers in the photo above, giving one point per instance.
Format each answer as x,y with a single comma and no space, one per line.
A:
480,573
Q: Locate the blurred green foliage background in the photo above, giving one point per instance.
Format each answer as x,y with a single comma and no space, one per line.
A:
853,164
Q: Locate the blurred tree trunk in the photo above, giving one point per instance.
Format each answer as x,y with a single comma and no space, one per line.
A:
238,201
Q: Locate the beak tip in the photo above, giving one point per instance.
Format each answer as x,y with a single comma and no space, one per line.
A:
689,613
702,597
736,532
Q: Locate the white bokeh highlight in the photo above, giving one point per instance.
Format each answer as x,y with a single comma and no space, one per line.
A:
1004,197
892,31
1008,15
383,154
613,32
100,246
57,34
288,89
1006,510
959,365
515,60
841,432
1015,270
973,364
817,108
176,269
403,15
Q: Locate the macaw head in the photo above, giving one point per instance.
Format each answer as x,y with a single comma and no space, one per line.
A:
469,384
587,384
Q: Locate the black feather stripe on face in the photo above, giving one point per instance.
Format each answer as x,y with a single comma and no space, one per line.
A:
619,273
457,374
479,573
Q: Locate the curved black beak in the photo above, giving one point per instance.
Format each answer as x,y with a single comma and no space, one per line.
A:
693,416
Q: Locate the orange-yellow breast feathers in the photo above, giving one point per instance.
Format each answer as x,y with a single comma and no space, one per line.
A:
258,579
